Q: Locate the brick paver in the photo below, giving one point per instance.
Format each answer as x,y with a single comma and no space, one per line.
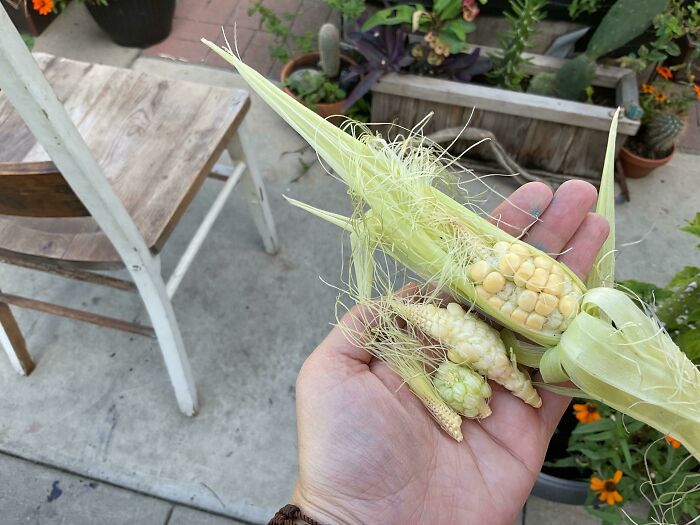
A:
195,19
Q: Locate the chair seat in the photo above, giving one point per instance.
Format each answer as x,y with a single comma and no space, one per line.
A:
155,139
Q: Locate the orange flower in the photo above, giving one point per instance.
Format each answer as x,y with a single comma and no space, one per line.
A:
607,488
647,88
665,72
674,442
696,88
43,6
587,413
660,97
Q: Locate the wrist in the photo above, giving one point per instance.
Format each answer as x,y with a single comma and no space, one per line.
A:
323,512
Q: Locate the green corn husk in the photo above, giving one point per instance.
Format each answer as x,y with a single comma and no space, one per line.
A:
612,350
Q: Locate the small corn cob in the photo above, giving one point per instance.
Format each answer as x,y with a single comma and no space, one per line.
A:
464,391
471,341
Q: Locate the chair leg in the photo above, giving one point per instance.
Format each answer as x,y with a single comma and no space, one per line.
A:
12,341
252,184
160,310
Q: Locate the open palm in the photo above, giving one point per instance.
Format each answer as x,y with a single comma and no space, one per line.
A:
370,453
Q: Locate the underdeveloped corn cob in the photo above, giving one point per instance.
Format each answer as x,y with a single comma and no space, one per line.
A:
463,390
471,341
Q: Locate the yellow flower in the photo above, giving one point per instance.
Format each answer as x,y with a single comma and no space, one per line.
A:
587,413
647,88
43,6
607,488
660,97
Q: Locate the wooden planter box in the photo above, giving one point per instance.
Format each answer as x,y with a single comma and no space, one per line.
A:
25,18
544,133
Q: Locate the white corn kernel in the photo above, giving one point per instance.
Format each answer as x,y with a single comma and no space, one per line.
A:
521,250
507,309
543,262
482,292
496,302
501,247
519,316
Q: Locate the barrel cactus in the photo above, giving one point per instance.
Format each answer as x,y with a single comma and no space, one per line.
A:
662,131
329,49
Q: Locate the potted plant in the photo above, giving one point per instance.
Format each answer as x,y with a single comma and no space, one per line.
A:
518,92
134,23
617,460
665,106
30,16
320,80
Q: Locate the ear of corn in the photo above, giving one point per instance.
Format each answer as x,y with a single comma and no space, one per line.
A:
407,217
471,341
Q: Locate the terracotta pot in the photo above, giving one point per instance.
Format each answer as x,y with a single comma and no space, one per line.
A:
636,167
311,60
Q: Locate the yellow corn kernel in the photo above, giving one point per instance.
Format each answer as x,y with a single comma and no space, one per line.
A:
543,262
555,285
546,303
519,316
496,302
535,321
525,271
509,264
507,309
538,280
527,300
521,250
567,305
494,282
478,271
482,292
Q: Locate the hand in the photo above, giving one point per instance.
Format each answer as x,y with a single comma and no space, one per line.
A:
370,453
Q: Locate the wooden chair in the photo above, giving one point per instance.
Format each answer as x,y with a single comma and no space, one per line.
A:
116,187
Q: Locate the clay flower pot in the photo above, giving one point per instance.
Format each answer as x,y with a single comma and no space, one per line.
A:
311,60
636,167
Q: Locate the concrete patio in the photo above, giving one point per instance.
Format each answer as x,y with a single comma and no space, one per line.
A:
97,419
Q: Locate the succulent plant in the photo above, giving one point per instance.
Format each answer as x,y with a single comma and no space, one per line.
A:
625,20
329,49
662,131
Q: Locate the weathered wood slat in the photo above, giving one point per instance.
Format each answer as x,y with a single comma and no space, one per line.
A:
77,315
502,101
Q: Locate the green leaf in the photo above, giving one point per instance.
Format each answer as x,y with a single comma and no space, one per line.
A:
693,226
649,293
459,28
389,17
689,342
447,9
596,426
626,451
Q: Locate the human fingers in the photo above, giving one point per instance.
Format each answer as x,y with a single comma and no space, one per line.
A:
563,217
518,212
582,249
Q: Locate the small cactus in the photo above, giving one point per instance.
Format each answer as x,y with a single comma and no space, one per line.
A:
662,132
329,49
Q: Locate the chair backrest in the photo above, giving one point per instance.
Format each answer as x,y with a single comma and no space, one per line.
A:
37,189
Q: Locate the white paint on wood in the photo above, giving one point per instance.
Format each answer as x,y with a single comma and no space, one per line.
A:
34,100
254,188
198,238
503,101
7,345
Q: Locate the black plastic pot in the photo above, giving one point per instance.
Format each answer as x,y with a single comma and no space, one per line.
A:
134,23
562,485
560,490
